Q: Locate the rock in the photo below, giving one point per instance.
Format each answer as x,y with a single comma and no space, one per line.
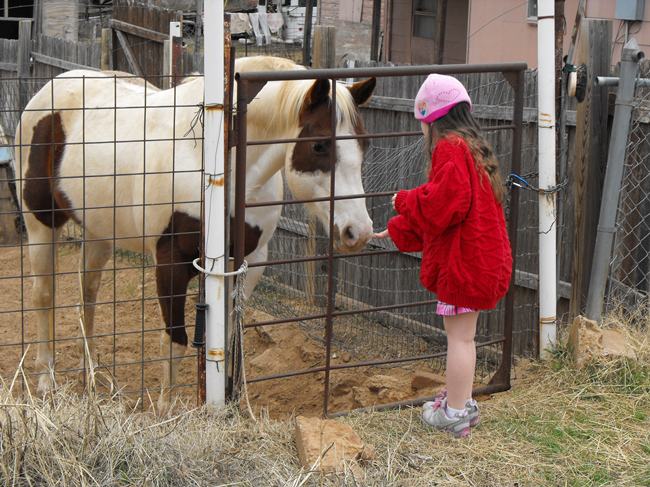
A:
363,397
379,382
587,339
311,356
339,386
422,380
386,396
346,357
330,446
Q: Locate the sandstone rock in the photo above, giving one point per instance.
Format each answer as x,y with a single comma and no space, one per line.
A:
329,445
587,339
391,395
340,386
311,356
363,397
379,382
422,380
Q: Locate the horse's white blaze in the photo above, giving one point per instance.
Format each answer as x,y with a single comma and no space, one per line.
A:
353,226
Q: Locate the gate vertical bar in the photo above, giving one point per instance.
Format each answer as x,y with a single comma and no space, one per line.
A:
331,295
213,150
613,176
547,213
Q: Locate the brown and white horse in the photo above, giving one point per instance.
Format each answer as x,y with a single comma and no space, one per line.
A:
117,156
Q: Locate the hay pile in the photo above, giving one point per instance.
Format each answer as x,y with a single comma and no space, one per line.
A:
568,426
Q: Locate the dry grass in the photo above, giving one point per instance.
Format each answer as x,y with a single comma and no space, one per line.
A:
563,426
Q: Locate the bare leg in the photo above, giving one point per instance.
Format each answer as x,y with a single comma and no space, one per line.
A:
461,357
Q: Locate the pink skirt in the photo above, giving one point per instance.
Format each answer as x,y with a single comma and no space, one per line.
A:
444,309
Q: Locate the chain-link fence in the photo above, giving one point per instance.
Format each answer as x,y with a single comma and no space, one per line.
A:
629,279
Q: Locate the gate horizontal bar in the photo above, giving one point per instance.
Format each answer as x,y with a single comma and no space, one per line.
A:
379,72
365,364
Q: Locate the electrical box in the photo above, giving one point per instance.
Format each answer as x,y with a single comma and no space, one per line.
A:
629,9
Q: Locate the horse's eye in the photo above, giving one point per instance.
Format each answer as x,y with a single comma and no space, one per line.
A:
318,147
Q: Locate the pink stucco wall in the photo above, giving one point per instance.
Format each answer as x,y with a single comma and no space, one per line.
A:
499,31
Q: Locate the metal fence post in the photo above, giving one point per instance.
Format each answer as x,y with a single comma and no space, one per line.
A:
213,149
613,177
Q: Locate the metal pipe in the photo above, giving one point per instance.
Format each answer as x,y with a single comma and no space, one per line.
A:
213,147
343,73
329,321
547,210
612,81
478,391
613,177
373,363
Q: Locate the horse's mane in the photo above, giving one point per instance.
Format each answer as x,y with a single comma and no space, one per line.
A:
292,94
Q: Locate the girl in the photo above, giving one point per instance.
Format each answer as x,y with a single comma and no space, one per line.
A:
456,220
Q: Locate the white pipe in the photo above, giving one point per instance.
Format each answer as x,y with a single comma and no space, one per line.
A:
547,210
213,150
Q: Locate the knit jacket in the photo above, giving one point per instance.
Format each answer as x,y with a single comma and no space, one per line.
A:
458,225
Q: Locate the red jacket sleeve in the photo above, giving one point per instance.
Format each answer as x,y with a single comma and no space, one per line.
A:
445,199
406,239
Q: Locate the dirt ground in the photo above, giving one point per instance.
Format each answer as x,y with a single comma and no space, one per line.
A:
127,326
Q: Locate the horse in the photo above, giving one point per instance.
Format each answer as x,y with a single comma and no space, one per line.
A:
123,160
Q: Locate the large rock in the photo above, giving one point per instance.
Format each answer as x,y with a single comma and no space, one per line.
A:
587,339
423,380
330,446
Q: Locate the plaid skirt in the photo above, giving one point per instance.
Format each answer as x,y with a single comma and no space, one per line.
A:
444,309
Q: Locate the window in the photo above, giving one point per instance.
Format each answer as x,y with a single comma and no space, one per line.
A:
425,18
531,15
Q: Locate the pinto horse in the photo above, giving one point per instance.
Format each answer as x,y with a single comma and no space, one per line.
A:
123,160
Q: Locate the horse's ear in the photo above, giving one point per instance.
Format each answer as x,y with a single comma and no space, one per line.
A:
318,92
363,90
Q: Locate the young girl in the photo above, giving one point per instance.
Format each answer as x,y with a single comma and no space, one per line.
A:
456,220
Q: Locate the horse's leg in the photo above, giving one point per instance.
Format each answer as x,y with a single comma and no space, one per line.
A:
174,270
43,266
95,254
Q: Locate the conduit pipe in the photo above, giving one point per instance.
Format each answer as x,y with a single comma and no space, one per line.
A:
547,210
214,244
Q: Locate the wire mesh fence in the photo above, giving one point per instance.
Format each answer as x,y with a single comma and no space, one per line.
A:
93,210
629,279
130,357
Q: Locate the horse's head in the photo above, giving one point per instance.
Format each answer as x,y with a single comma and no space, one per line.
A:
308,164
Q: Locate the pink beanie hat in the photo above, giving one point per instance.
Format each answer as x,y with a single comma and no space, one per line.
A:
437,95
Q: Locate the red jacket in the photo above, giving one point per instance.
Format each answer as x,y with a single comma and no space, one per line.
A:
458,225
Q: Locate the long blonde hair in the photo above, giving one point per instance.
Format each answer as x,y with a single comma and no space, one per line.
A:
460,122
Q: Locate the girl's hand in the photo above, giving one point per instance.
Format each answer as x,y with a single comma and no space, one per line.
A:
383,234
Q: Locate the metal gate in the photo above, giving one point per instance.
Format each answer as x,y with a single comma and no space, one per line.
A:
495,327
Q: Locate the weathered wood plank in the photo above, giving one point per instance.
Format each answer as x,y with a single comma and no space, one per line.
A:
590,156
133,62
60,63
479,111
138,31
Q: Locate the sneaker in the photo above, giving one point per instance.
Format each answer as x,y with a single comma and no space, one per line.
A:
472,410
434,414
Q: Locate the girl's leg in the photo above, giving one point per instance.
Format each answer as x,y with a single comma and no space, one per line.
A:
461,357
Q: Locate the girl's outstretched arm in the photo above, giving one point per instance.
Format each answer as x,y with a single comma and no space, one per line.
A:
383,234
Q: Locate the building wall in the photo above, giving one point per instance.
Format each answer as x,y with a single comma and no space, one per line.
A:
499,32
353,37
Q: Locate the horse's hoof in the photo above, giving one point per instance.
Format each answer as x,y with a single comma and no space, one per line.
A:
45,384
162,406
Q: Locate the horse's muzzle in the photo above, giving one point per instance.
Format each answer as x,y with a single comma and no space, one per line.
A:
351,239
